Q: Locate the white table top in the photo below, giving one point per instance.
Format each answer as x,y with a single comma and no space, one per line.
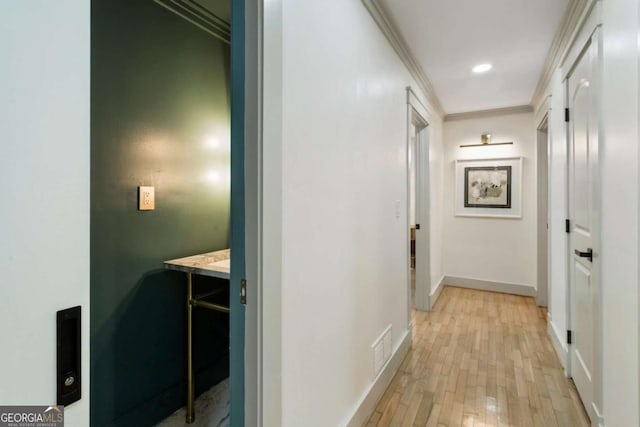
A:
212,264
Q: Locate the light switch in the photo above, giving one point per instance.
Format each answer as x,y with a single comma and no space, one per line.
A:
146,199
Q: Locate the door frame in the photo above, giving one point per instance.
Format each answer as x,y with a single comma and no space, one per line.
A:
589,34
237,239
261,58
417,114
542,293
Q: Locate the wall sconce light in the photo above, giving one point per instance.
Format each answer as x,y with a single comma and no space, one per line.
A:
485,141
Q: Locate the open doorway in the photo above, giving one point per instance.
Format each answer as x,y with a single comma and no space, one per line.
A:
166,185
542,150
418,205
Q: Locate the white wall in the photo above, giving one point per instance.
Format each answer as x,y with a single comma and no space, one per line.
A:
44,173
343,166
620,192
491,249
270,248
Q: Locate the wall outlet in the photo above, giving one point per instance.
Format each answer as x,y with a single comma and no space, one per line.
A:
146,199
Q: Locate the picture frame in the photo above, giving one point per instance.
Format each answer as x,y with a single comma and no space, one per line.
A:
489,187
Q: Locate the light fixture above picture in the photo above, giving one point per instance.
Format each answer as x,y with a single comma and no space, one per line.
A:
485,141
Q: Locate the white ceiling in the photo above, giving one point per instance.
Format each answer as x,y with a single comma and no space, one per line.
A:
449,37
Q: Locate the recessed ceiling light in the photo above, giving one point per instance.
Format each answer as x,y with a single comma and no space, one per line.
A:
482,68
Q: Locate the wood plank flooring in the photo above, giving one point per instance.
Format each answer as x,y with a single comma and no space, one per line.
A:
480,359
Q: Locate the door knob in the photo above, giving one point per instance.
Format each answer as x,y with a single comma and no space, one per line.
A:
588,254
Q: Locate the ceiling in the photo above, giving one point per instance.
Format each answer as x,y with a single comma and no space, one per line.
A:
449,37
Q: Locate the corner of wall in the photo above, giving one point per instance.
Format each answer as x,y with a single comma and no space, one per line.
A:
435,293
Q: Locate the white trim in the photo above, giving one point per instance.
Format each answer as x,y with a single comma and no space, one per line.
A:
483,114
542,232
372,395
270,203
389,29
417,104
599,419
571,22
592,21
253,214
542,112
422,203
490,216
407,262
435,294
490,285
558,342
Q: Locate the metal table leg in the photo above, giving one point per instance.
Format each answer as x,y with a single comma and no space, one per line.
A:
191,416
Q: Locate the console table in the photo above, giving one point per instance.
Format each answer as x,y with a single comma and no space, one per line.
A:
212,264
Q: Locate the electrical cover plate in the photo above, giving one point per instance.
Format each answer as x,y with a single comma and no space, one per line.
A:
146,199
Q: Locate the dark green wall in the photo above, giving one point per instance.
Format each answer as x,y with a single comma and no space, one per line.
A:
159,91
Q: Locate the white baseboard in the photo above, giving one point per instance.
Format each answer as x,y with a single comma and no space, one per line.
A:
377,388
493,286
558,340
435,294
599,420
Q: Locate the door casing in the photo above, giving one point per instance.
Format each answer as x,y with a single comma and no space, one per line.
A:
416,117
543,147
237,240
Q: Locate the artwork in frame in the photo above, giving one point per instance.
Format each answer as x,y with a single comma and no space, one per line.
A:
489,187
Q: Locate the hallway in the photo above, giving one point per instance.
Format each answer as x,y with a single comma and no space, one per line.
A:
480,359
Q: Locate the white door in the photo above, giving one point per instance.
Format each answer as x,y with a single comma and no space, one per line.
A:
583,238
422,219
44,179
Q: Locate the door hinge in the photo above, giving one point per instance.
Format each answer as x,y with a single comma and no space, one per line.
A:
417,226
569,337
567,225
243,291
566,114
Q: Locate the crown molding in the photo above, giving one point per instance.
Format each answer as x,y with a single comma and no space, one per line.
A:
573,17
200,16
391,32
519,109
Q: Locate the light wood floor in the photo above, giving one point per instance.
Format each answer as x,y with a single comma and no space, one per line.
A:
480,359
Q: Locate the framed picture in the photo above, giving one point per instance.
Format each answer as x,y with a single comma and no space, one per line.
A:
489,187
